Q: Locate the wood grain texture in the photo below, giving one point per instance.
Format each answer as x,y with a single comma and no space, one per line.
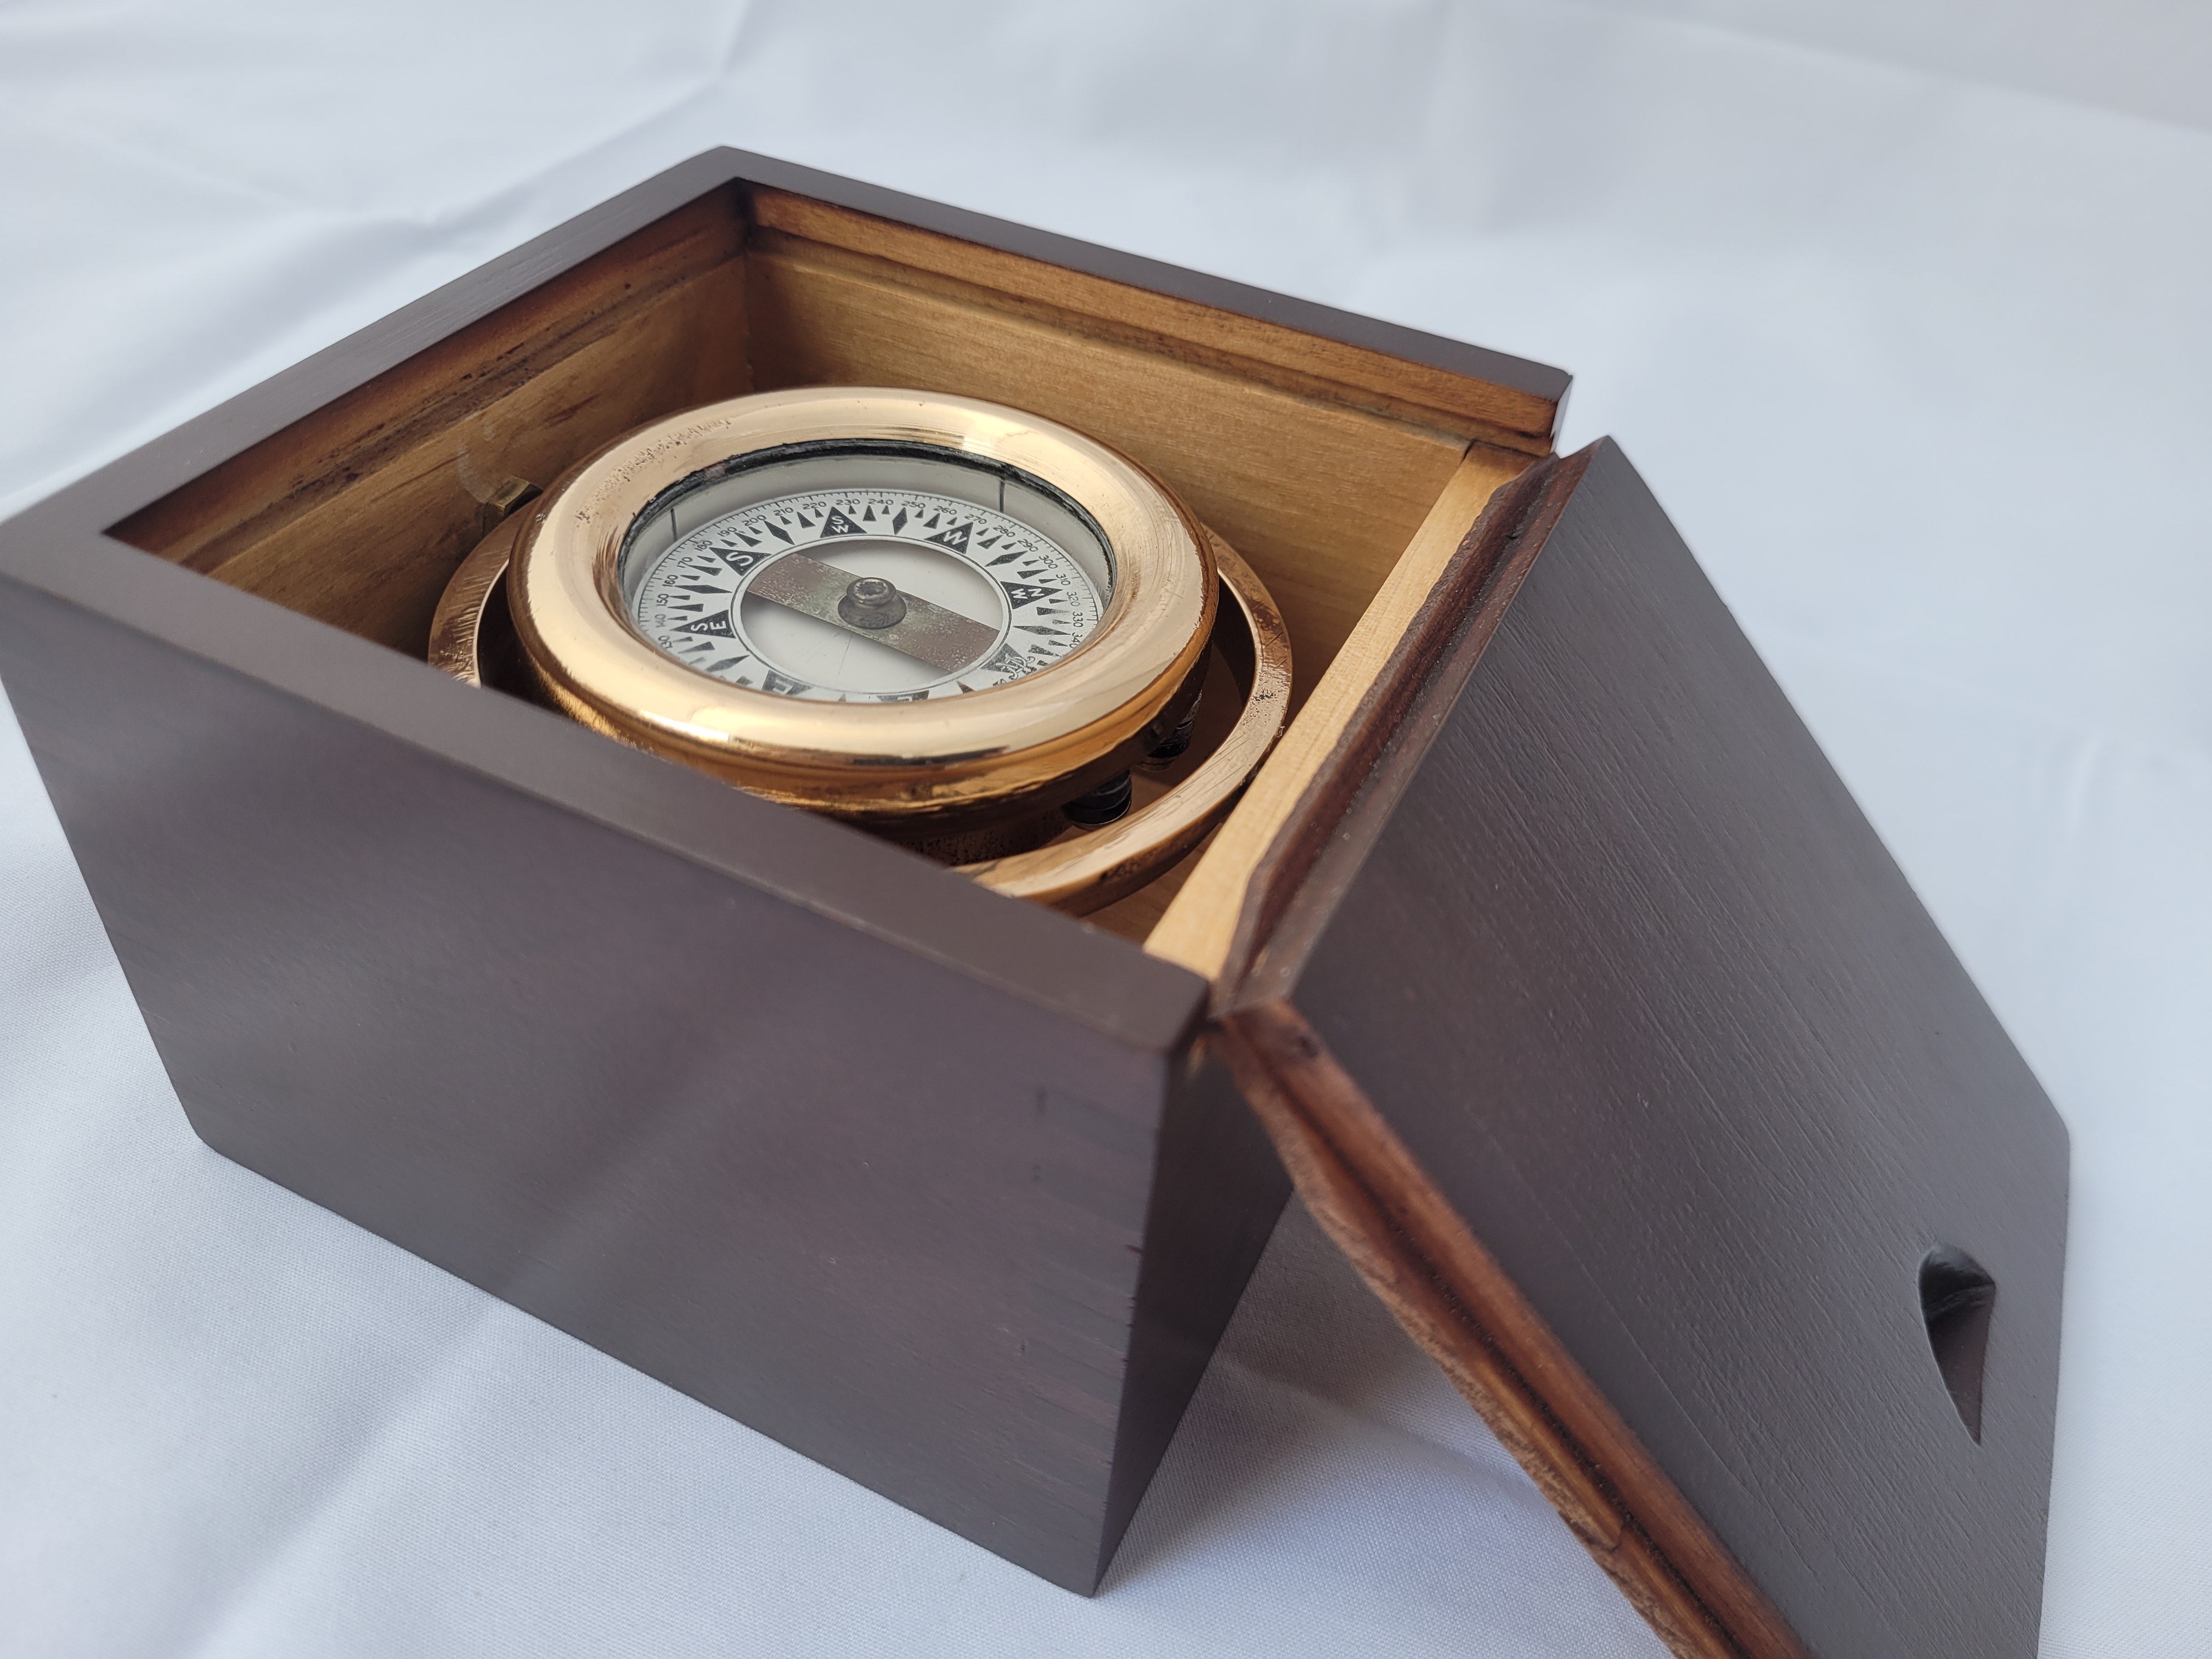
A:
135,481
1632,983
1457,358
1578,996
1251,348
1254,935
359,514
1322,499
206,522
421,886
1231,901
1416,1253
374,557
457,970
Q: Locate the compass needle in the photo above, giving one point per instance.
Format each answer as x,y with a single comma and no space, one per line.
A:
905,525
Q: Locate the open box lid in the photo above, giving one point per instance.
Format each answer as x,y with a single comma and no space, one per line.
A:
1600,1033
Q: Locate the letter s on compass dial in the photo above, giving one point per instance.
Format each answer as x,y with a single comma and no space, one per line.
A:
908,608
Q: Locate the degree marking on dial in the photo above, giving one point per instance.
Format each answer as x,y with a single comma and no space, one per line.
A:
689,583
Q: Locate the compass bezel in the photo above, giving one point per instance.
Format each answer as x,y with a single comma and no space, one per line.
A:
1006,743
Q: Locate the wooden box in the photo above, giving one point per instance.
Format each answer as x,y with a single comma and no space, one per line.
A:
1546,952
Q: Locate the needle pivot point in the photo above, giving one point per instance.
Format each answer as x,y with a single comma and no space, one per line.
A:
871,602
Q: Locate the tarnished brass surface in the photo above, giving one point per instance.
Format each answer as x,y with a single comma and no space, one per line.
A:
456,642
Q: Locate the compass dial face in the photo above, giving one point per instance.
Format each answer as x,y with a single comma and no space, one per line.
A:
880,574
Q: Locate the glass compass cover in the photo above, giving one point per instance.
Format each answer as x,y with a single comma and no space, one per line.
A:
866,574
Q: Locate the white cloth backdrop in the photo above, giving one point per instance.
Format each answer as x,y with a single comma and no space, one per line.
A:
1904,308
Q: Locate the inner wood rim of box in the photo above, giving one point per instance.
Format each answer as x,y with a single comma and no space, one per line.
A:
1345,477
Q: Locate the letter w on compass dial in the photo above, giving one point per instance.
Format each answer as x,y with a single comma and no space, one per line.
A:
886,594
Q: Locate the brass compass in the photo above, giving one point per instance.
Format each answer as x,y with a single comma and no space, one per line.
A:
959,625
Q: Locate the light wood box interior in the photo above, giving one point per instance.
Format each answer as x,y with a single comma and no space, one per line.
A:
1345,476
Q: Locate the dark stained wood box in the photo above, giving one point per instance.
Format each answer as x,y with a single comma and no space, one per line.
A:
1546,953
